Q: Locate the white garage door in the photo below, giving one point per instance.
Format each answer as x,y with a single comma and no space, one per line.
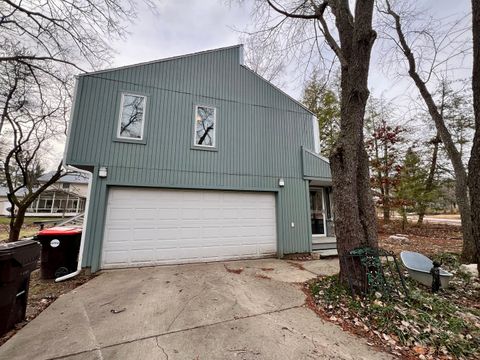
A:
164,226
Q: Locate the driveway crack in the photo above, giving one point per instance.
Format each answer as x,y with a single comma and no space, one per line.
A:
183,309
183,330
161,348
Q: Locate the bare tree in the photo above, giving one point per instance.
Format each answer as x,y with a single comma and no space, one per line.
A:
434,109
349,34
268,62
29,123
42,44
429,183
474,162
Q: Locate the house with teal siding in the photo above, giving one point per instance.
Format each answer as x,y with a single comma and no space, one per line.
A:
196,158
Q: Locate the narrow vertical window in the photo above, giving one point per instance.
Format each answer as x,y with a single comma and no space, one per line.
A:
132,117
205,126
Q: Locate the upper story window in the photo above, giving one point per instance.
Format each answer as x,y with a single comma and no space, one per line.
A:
205,126
132,117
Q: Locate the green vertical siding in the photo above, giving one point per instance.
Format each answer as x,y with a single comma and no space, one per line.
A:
315,167
260,133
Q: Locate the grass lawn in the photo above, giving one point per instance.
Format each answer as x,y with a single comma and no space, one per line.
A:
4,220
28,228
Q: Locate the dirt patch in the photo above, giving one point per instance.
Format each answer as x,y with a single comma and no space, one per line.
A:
429,239
234,271
41,294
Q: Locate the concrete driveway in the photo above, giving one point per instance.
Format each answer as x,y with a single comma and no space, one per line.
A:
233,310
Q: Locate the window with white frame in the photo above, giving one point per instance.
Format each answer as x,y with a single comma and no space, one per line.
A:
205,126
132,117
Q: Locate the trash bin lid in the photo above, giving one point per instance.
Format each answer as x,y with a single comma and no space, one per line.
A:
7,250
61,230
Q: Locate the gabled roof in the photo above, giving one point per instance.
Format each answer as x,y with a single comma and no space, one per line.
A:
73,178
173,58
162,60
4,191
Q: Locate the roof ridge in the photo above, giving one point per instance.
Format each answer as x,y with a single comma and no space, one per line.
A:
176,57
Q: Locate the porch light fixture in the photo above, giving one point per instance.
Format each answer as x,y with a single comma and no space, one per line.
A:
102,172
281,182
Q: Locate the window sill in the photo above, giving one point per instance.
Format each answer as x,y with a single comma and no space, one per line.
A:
131,141
205,148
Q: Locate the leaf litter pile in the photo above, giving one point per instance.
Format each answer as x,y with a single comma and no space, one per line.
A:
423,325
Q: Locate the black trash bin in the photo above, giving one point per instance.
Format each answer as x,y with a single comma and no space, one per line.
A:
17,261
60,247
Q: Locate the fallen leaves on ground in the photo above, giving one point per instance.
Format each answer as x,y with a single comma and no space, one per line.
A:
445,325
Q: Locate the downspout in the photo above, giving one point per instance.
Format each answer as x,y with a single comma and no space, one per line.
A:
89,190
84,227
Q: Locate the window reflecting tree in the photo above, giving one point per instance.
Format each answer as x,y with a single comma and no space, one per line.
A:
205,126
132,116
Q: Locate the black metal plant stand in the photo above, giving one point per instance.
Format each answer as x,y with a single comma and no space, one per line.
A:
371,270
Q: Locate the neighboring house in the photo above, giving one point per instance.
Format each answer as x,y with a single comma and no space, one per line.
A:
4,203
196,158
67,197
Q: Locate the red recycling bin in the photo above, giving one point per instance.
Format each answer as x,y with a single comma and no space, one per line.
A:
60,248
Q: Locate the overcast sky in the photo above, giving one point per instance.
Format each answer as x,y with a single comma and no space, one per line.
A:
186,26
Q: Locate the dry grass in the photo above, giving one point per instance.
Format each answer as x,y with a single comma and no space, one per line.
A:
28,228
429,239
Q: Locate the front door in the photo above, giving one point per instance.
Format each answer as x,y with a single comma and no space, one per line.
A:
317,212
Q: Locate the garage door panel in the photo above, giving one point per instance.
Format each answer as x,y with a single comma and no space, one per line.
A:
215,214
116,257
230,213
166,226
144,234
117,246
118,235
120,214
191,214
143,214
166,234
165,213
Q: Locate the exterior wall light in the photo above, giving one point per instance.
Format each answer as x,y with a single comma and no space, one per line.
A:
102,172
281,182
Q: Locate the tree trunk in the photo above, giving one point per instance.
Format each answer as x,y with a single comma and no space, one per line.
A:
430,178
386,184
16,224
461,180
404,218
355,216
474,162
386,211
